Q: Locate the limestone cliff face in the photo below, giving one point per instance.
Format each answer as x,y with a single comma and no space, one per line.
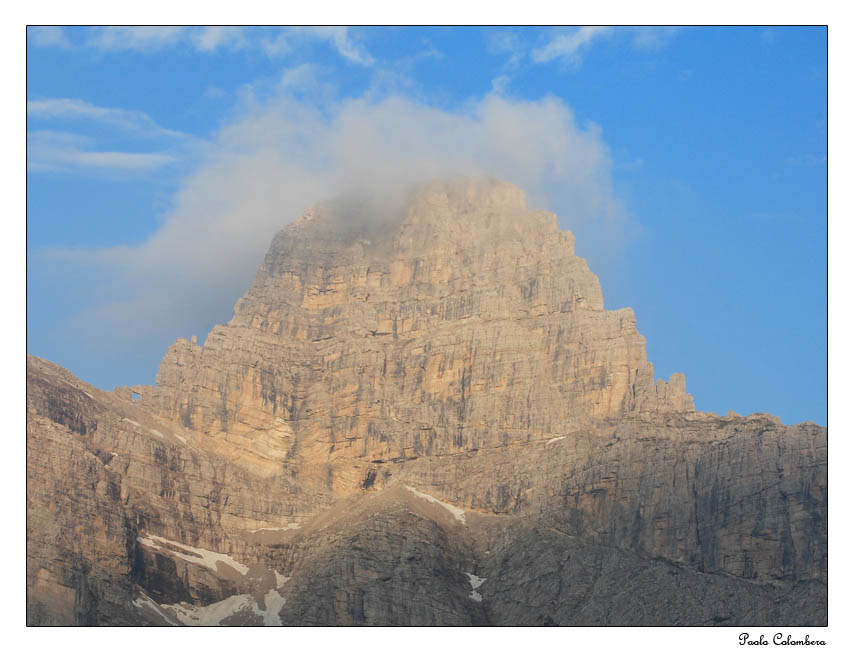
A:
464,322
421,416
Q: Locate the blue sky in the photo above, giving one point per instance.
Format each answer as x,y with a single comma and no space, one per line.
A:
690,163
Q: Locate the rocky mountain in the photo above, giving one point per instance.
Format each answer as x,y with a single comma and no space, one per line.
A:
418,416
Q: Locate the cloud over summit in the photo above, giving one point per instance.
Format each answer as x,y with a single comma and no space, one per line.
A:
283,155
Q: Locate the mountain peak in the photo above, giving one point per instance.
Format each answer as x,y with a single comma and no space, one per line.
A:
420,408
457,312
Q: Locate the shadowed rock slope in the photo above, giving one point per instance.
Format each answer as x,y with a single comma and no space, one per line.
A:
421,416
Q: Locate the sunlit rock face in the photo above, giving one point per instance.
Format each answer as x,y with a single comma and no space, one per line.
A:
463,321
420,413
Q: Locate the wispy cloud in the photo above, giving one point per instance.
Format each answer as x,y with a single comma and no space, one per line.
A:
308,80
506,42
429,51
273,42
567,46
137,122
48,37
210,39
285,154
57,151
141,39
571,46
285,41
499,84
341,40
652,38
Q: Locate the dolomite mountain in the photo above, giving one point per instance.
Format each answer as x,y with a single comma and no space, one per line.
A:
419,417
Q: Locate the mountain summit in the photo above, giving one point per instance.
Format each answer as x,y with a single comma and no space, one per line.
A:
420,413
463,322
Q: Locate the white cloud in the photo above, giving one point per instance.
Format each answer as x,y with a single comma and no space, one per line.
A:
429,51
154,39
303,78
341,40
500,84
56,151
62,151
142,39
76,109
506,42
278,44
288,39
48,37
272,41
567,45
209,39
652,38
279,158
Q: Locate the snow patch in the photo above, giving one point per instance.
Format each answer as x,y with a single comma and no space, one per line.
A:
180,438
156,433
550,441
459,514
208,559
281,579
476,582
291,526
214,614
133,422
273,602
145,601
89,395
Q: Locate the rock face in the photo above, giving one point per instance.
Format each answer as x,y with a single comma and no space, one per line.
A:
422,416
